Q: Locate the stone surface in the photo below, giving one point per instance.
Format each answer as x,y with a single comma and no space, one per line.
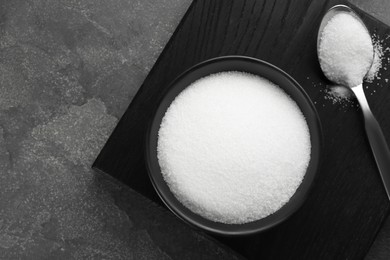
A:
68,70
377,8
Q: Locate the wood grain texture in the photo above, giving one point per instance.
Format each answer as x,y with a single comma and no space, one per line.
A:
347,204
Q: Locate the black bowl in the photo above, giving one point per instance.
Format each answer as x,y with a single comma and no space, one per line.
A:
262,69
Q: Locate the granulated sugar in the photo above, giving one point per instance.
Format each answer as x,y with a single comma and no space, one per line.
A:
373,73
345,50
338,94
233,147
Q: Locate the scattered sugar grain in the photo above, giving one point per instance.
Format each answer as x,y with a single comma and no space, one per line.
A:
338,94
233,147
345,50
377,62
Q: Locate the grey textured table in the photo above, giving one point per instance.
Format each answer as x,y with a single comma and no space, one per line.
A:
68,70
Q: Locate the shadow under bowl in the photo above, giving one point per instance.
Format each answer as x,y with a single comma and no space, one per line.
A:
262,69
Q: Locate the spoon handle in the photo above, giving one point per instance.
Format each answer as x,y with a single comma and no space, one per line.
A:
376,138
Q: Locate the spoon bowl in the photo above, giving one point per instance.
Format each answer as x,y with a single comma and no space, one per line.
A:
337,9
331,13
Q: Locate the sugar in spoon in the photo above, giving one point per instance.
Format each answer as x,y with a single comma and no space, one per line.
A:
375,135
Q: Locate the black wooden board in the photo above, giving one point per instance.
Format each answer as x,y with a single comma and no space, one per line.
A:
347,204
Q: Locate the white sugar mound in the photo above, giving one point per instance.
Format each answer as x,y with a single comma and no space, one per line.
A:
233,147
345,50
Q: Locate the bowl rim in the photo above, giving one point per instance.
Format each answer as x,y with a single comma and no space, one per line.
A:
249,228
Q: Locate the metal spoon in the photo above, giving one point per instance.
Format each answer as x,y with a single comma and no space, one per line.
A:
375,135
